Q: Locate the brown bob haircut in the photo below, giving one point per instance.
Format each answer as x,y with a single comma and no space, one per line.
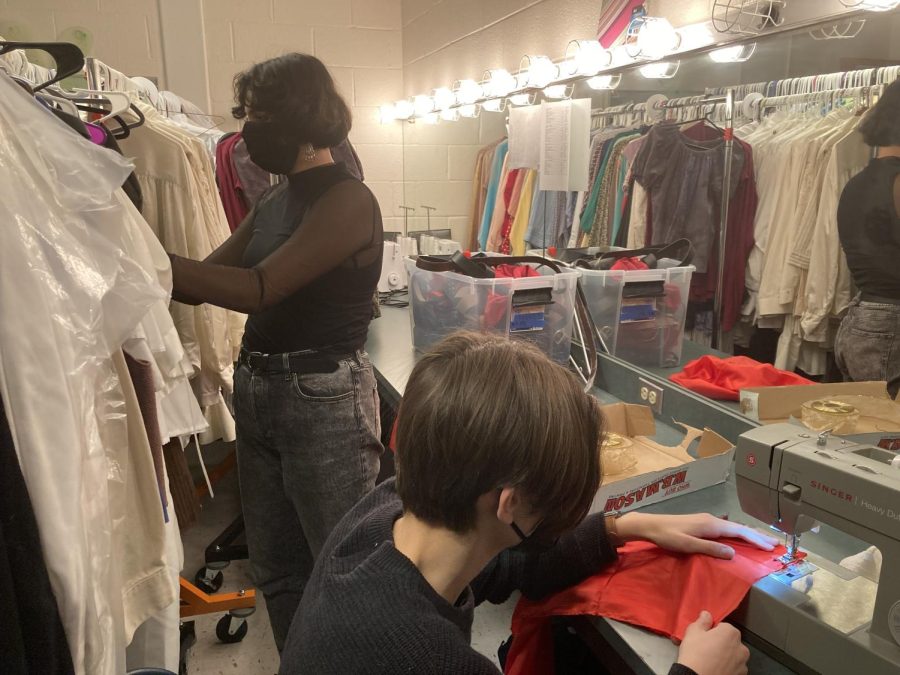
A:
483,412
297,92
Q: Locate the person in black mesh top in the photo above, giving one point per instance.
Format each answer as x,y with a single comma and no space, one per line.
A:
304,265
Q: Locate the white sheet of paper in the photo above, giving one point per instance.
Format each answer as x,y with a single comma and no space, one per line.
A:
565,145
524,137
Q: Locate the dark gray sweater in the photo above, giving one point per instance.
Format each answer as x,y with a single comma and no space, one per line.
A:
368,609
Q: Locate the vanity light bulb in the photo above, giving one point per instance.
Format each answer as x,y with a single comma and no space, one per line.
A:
586,57
494,105
443,98
468,92
521,99
403,109
469,111
541,71
601,82
431,118
656,38
663,70
499,83
450,115
558,91
423,105
736,54
387,113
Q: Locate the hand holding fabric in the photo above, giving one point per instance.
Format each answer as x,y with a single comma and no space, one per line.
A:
690,533
713,651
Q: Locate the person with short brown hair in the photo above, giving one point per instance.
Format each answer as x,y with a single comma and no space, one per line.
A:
497,467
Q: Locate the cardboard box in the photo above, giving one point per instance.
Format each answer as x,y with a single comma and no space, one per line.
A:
662,471
770,405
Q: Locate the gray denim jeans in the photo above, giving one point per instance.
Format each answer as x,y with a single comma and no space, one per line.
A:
867,346
308,448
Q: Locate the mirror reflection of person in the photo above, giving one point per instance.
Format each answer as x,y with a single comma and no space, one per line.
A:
304,265
497,467
867,346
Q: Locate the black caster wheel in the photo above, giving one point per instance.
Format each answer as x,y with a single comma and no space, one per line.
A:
208,580
231,629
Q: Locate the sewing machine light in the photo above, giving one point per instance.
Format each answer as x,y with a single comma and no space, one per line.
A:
585,57
601,82
423,105
735,54
663,70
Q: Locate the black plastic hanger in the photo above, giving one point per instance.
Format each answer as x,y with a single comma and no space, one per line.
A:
69,58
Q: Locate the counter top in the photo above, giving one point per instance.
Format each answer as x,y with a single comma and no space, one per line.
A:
393,356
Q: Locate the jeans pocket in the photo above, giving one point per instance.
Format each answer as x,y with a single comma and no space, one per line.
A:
324,387
871,322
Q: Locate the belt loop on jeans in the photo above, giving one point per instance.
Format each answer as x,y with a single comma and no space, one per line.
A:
286,360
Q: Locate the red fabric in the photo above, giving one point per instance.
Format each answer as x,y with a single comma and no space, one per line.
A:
724,378
515,272
509,213
230,189
496,308
658,590
629,264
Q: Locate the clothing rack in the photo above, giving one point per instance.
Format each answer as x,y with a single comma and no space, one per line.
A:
815,83
829,97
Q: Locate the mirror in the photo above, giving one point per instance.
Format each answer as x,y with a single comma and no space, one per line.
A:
439,159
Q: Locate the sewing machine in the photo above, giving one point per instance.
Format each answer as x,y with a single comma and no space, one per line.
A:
820,614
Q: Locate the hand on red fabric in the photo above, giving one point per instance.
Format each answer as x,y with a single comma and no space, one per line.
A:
690,533
713,651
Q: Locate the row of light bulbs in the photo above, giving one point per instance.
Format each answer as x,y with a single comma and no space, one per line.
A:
652,39
648,39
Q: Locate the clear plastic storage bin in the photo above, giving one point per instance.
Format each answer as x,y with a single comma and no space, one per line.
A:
537,309
640,314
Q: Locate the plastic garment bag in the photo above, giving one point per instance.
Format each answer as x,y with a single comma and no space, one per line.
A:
68,299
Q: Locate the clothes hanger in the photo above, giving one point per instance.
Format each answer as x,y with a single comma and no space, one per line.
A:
69,58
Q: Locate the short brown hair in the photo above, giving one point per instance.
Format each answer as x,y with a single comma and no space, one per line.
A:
297,91
482,412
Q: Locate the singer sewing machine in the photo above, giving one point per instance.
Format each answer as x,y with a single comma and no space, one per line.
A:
820,614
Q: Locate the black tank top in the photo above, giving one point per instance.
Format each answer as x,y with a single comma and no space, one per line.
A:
869,228
332,313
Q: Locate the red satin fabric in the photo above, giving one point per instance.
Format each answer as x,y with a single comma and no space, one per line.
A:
647,586
630,264
724,378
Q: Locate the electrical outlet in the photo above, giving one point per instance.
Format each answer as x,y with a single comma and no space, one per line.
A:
651,395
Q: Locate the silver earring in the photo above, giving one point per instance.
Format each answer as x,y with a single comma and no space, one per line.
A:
309,152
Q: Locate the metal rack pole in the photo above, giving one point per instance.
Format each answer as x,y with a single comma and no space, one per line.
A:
723,219
92,73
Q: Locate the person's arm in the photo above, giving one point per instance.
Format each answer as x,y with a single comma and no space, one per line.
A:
339,225
578,555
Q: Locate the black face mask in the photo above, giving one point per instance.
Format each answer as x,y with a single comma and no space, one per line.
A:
271,146
536,542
